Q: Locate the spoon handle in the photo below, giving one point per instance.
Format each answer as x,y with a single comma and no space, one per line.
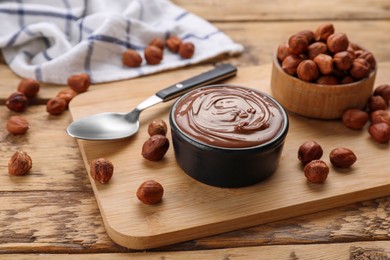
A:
217,74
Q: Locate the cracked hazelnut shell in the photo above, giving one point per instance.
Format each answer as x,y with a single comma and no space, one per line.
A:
101,170
19,164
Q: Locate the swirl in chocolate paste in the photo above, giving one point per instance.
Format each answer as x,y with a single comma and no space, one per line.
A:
228,116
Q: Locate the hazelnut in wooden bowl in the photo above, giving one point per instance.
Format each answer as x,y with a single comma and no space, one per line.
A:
227,135
321,74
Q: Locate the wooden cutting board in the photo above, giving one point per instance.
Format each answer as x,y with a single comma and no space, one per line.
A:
190,209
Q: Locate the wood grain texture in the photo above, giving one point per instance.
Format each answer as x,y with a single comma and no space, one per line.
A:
230,10
46,155
189,209
259,25
357,250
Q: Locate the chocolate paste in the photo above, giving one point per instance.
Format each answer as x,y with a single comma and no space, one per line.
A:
229,116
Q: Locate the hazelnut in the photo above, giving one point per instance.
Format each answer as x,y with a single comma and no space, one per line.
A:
157,42
309,35
337,42
282,51
316,171
157,127
369,57
17,125
79,82
17,102
297,44
55,106
131,58
380,116
307,70
316,48
186,50
324,63
290,64
323,32
153,55
354,118
380,132
101,170
29,87
354,47
19,164
150,192
383,91
376,103
347,80
358,53
67,95
342,157
327,80
155,148
173,43
343,60
351,52
360,68
309,151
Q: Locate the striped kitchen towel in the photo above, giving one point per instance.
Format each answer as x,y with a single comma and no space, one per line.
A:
50,40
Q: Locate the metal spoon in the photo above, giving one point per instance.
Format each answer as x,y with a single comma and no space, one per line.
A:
109,126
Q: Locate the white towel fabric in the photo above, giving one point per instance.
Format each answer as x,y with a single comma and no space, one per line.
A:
50,40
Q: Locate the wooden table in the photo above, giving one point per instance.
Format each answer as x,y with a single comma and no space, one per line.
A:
56,214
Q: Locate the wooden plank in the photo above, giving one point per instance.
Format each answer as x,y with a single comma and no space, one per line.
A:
70,222
357,250
56,160
202,205
51,221
230,10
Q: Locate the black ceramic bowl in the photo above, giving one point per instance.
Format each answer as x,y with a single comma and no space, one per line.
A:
226,162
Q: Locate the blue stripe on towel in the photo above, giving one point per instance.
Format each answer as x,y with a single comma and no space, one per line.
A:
181,16
38,13
12,40
83,28
21,14
128,26
68,20
38,72
205,37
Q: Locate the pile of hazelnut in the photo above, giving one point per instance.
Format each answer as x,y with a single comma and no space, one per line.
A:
29,88
315,169
325,57
20,163
376,112
154,52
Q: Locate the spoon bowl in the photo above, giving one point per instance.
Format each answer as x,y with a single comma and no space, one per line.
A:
103,126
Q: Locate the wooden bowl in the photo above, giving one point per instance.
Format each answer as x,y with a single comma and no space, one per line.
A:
316,100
